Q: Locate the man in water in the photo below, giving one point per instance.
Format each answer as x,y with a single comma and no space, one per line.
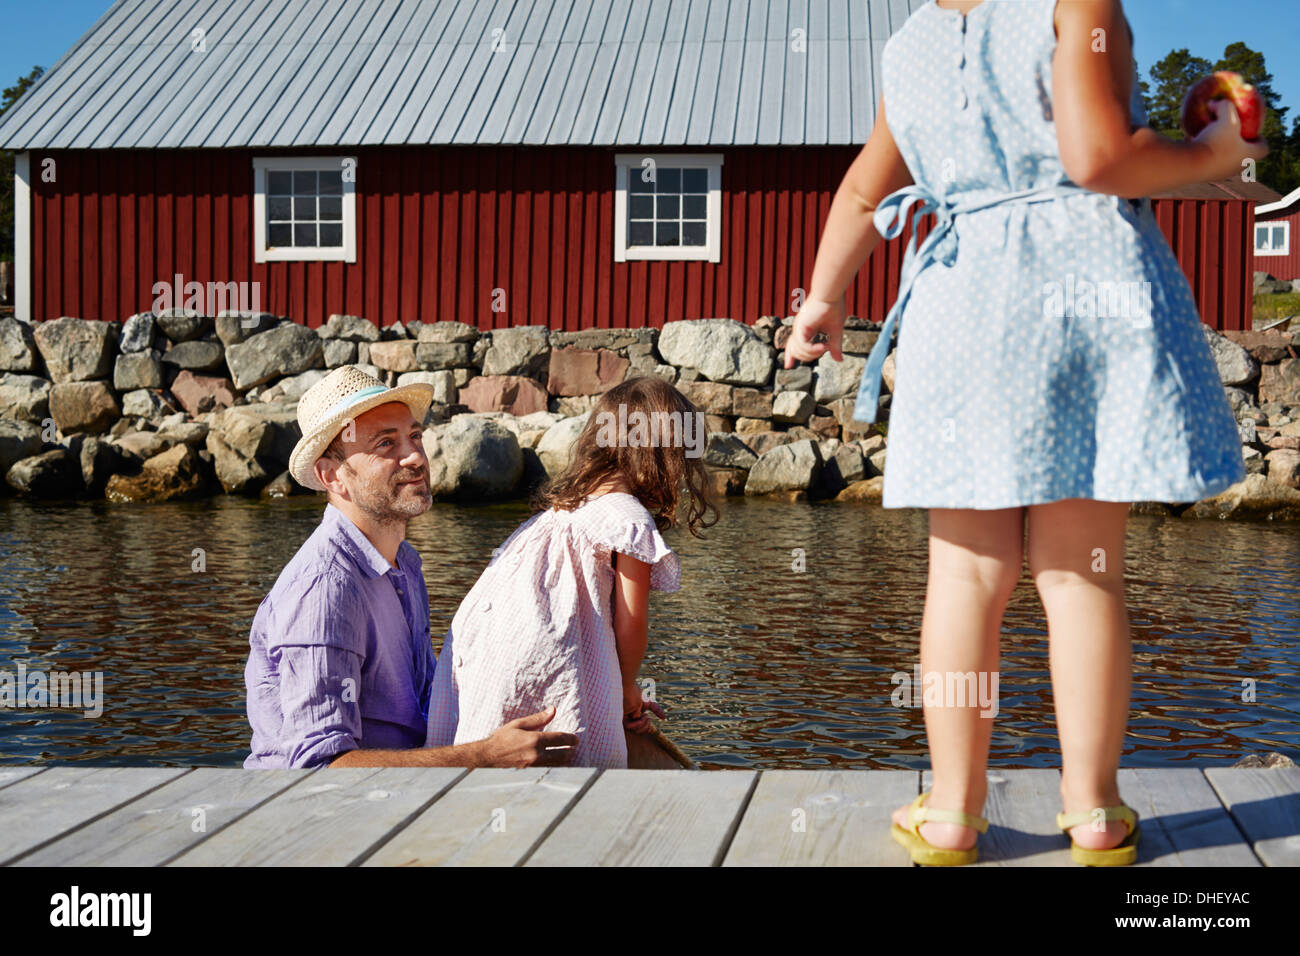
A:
341,665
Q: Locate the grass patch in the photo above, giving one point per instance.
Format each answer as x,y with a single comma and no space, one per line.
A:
1276,305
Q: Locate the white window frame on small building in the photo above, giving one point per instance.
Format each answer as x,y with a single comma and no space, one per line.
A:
1284,249
347,251
631,164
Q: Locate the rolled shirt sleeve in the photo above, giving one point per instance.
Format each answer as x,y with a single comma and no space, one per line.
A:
318,642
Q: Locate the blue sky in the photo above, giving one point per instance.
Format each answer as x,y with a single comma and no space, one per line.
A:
39,32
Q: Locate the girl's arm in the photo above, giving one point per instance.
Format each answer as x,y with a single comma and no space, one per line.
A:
1091,88
631,624
847,241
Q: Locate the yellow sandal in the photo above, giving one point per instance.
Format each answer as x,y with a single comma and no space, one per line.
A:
1121,855
924,853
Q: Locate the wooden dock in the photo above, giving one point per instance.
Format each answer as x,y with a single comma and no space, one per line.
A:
72,815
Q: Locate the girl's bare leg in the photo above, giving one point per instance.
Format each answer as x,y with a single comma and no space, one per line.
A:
1076,557
975,559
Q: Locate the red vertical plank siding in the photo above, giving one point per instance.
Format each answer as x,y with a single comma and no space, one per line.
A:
440,228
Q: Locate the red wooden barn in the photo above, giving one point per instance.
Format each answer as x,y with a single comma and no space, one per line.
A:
572,163
1277,226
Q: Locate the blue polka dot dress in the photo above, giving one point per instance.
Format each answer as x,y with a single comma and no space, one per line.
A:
1060,355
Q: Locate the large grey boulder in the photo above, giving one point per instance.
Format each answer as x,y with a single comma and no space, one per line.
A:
432,356
138,370
266,430
1236,367
350,328
441,333
837,379
24,397
472,458
339,352
238,473
286,349
51,474
235,327
88,407
176,473
137,333
793,407
556,447
180,325
722,350
18,440
523,350
725,450
145,403
792,467
77,350
197,355
18,352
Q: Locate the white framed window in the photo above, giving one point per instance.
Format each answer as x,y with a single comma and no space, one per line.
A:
668,206
304,209
1272,238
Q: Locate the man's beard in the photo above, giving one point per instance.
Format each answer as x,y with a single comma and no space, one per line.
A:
386,502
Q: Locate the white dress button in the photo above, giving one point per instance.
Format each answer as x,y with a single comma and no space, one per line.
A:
487,605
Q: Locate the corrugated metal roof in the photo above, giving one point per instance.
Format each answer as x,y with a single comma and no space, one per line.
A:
557,72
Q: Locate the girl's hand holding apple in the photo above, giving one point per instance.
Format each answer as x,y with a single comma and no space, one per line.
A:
1226,147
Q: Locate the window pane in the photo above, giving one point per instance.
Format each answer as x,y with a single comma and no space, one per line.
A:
331,207
670,180
331,183
695,207
640,234
640,207
693,233
279,181
635,183
279,207
279,235
304,234
304,208
695,180
668,207
331,234
666,234
304,182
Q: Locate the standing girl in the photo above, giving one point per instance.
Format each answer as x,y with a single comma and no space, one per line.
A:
559,617
1024,399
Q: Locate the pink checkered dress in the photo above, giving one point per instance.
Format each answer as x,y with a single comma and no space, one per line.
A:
537,629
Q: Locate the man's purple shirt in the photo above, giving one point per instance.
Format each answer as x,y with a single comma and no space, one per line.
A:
340,655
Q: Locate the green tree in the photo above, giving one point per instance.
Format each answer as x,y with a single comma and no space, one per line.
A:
8,98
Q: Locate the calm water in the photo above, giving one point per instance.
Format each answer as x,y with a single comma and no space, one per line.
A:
758,666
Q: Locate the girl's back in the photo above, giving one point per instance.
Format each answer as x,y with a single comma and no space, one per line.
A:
536,630
1049,349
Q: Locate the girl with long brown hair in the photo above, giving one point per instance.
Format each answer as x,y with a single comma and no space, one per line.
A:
559,618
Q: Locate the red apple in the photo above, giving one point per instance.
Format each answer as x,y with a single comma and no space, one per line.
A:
1223,85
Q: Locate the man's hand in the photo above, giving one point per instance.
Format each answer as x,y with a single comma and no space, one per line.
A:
639,722
521,743
816,316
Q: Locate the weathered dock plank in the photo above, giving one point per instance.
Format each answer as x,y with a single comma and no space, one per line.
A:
1181,820
1021,809
330,818
45,806
650,818
10,775
823,818
1266,807
489,818
166,822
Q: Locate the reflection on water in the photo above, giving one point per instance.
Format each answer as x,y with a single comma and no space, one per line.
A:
757,665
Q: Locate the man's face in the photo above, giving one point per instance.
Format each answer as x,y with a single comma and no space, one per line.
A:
384,471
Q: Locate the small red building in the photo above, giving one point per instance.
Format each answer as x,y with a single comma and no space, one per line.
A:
1277,225
575,165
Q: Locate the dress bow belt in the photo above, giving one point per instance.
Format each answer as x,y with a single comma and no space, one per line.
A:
890,217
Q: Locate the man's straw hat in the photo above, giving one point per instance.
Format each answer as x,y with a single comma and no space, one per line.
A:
345,393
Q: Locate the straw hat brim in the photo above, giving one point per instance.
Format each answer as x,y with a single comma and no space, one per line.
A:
417,396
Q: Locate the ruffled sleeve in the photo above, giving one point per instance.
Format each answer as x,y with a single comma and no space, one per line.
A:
627,527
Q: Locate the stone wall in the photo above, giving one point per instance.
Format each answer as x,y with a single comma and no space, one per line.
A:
177,405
